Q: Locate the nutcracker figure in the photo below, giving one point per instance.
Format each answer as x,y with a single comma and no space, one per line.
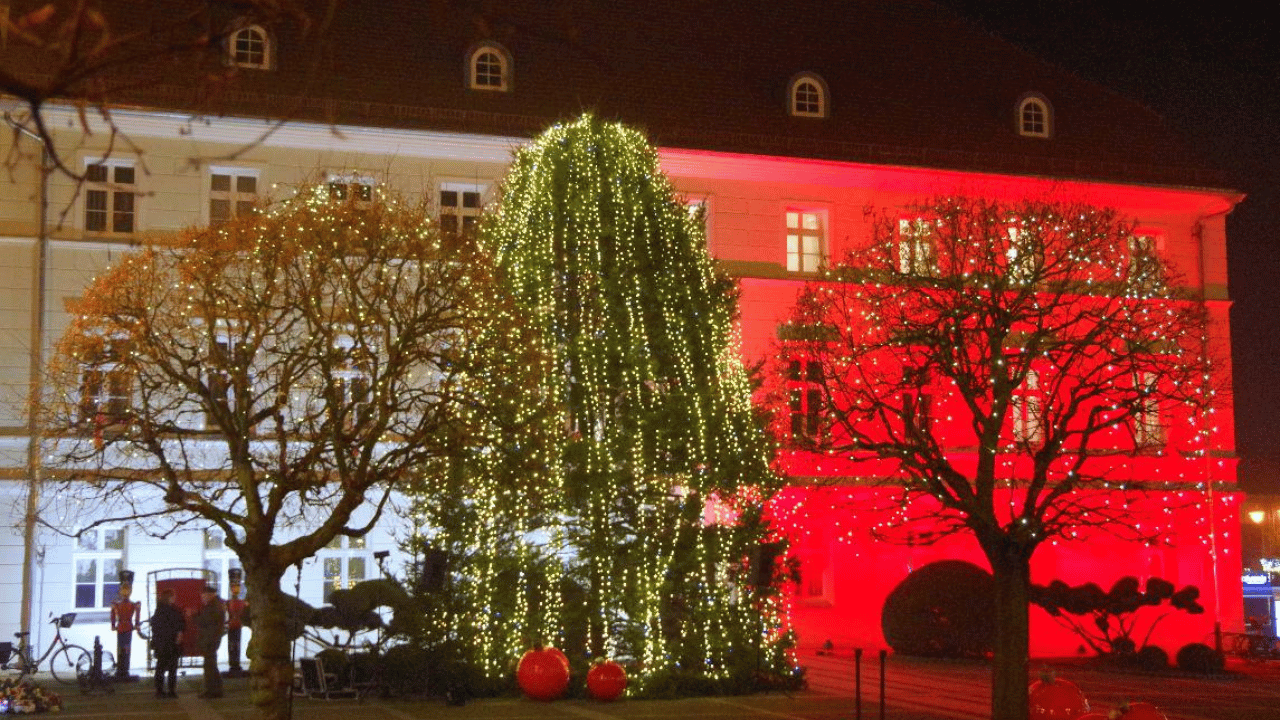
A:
125,617
236,608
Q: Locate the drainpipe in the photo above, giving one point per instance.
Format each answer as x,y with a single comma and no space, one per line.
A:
35,409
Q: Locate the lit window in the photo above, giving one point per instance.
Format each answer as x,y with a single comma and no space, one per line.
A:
916,253
807,96
344,562
99,558
218,559
233,193
250,48
460,208
229,357
806,238
351,381
1034,117
110,194
106,387
489,69
804,389
1027,409
1020,257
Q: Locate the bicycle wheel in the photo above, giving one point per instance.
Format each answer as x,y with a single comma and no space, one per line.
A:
63,663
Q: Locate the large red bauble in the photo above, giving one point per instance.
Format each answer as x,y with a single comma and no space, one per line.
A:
560,654
606,681
542,675
1057,700
1142,711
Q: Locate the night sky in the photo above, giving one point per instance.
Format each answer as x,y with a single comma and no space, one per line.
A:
1213,71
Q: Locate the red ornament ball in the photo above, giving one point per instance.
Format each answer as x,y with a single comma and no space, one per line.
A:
1056,699
606,681
542,675
560,654
1141,711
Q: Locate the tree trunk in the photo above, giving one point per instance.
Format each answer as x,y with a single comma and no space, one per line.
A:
1011,663
270,663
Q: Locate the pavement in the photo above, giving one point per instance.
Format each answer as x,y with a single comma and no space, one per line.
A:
914,690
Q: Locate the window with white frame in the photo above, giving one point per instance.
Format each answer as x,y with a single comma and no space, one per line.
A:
1148,432
814,586
233,192
460,207
806,240
106,386
917,404
916,250
351,379
1034,117
99,559
343,563
229,355
250,47
807,96
218,559
350,188
489,68
804,390
1027,411
110,197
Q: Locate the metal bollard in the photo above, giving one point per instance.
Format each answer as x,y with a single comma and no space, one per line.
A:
857,683
883,654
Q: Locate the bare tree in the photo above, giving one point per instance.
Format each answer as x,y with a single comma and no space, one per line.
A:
278,377
95,55
995,364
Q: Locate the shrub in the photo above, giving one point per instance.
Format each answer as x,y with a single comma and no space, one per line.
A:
1153,658
939,611
1200,658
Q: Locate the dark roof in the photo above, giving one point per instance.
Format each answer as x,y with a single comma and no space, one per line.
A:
911,83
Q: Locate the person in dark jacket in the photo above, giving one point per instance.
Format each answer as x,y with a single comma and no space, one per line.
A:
167,626
211,622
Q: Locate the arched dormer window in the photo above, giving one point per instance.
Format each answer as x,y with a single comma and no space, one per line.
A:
807,96
249,47
489,68
1034,116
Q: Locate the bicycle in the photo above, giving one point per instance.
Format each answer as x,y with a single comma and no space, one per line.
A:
62,655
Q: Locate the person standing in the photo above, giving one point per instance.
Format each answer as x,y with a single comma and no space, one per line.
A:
167,626
211,621
236,606
125,618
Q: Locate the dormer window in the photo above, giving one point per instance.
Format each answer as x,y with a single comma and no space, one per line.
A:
250,47
1034,117
489,68
807,96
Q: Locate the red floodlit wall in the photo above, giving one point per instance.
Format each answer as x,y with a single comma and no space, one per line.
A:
845,573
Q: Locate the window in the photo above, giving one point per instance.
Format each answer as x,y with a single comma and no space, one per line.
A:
250,47
99,558
106,387
1027,411
229,355
916,253
1020,258
218,559
1144,262
804,389
110,197
813,555
917,405
1148,433
233,192
460,207
807,96
806,236
1034,117
350,188
351,380
344,562
489,68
